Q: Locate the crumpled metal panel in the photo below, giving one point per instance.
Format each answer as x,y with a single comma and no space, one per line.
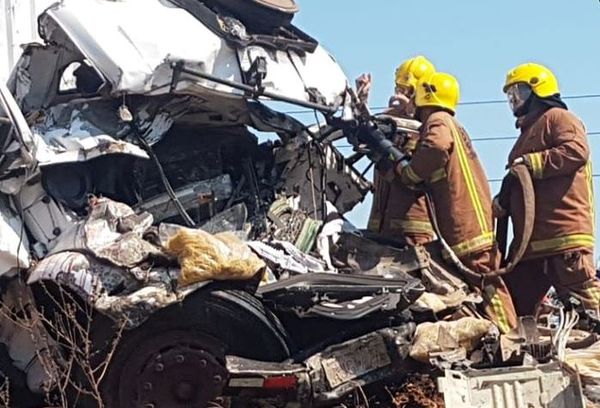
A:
119,293
285,256
136,57
345,186
112,231
103,260
129,50
68,135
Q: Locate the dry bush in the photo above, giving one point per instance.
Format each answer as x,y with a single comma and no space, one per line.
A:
61,332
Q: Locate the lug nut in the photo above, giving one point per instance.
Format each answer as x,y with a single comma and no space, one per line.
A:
203,363
147,386
217,379
159,367
149,405
179,358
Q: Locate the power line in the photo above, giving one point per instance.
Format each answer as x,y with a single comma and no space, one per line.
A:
467,103
497,180
486,139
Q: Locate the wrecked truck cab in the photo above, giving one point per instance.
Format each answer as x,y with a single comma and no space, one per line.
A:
110,150
157,254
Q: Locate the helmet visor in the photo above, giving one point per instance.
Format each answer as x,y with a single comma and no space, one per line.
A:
517,94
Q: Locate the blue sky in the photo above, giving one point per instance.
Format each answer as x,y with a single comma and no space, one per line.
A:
478,42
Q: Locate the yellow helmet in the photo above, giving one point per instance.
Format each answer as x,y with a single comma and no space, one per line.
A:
541,80
438,90
411,70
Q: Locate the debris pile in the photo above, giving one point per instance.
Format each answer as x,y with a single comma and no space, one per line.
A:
417,391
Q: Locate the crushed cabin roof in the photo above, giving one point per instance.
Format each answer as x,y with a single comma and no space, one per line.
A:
133,44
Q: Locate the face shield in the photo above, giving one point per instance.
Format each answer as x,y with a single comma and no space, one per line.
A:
518,94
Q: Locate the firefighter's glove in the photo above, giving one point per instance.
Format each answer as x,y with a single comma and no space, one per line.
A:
385,167
521,160
380,147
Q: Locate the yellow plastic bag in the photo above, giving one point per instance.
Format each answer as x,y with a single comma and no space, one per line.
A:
447,336
203,256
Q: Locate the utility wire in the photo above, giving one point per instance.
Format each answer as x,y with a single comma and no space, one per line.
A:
468,103
497,180
483,139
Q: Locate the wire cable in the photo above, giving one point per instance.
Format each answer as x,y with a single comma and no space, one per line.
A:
466,103
482,139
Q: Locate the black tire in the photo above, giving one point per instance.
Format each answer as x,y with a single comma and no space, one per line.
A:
220,322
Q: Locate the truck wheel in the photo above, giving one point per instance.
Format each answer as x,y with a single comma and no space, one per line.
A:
176,358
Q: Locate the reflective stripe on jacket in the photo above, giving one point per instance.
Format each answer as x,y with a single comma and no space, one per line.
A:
554,143
398,211
461,197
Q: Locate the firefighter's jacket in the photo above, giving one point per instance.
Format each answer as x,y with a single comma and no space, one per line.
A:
447,165
554,144
398,211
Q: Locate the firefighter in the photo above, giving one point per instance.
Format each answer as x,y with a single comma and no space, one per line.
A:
553,145
446,164
398,212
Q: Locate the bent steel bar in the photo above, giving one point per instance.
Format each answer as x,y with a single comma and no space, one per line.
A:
179,68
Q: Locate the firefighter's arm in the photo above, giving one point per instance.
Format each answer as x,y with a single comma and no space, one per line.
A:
431,154
569,151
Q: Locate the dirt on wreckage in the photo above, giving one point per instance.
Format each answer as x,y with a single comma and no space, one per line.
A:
155,254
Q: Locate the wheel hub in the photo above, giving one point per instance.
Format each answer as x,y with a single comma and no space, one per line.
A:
174,370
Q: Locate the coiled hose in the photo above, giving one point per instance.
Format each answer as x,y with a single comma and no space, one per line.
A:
521,172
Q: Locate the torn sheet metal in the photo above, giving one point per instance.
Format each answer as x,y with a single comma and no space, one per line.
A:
128,50
286,257
307,166
132,295
76,138
113,232
141,63
362,255
317,70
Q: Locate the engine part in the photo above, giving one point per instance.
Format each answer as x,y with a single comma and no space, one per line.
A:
192,196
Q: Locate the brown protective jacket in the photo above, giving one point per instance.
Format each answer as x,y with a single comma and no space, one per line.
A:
554,143
397,211
446,162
